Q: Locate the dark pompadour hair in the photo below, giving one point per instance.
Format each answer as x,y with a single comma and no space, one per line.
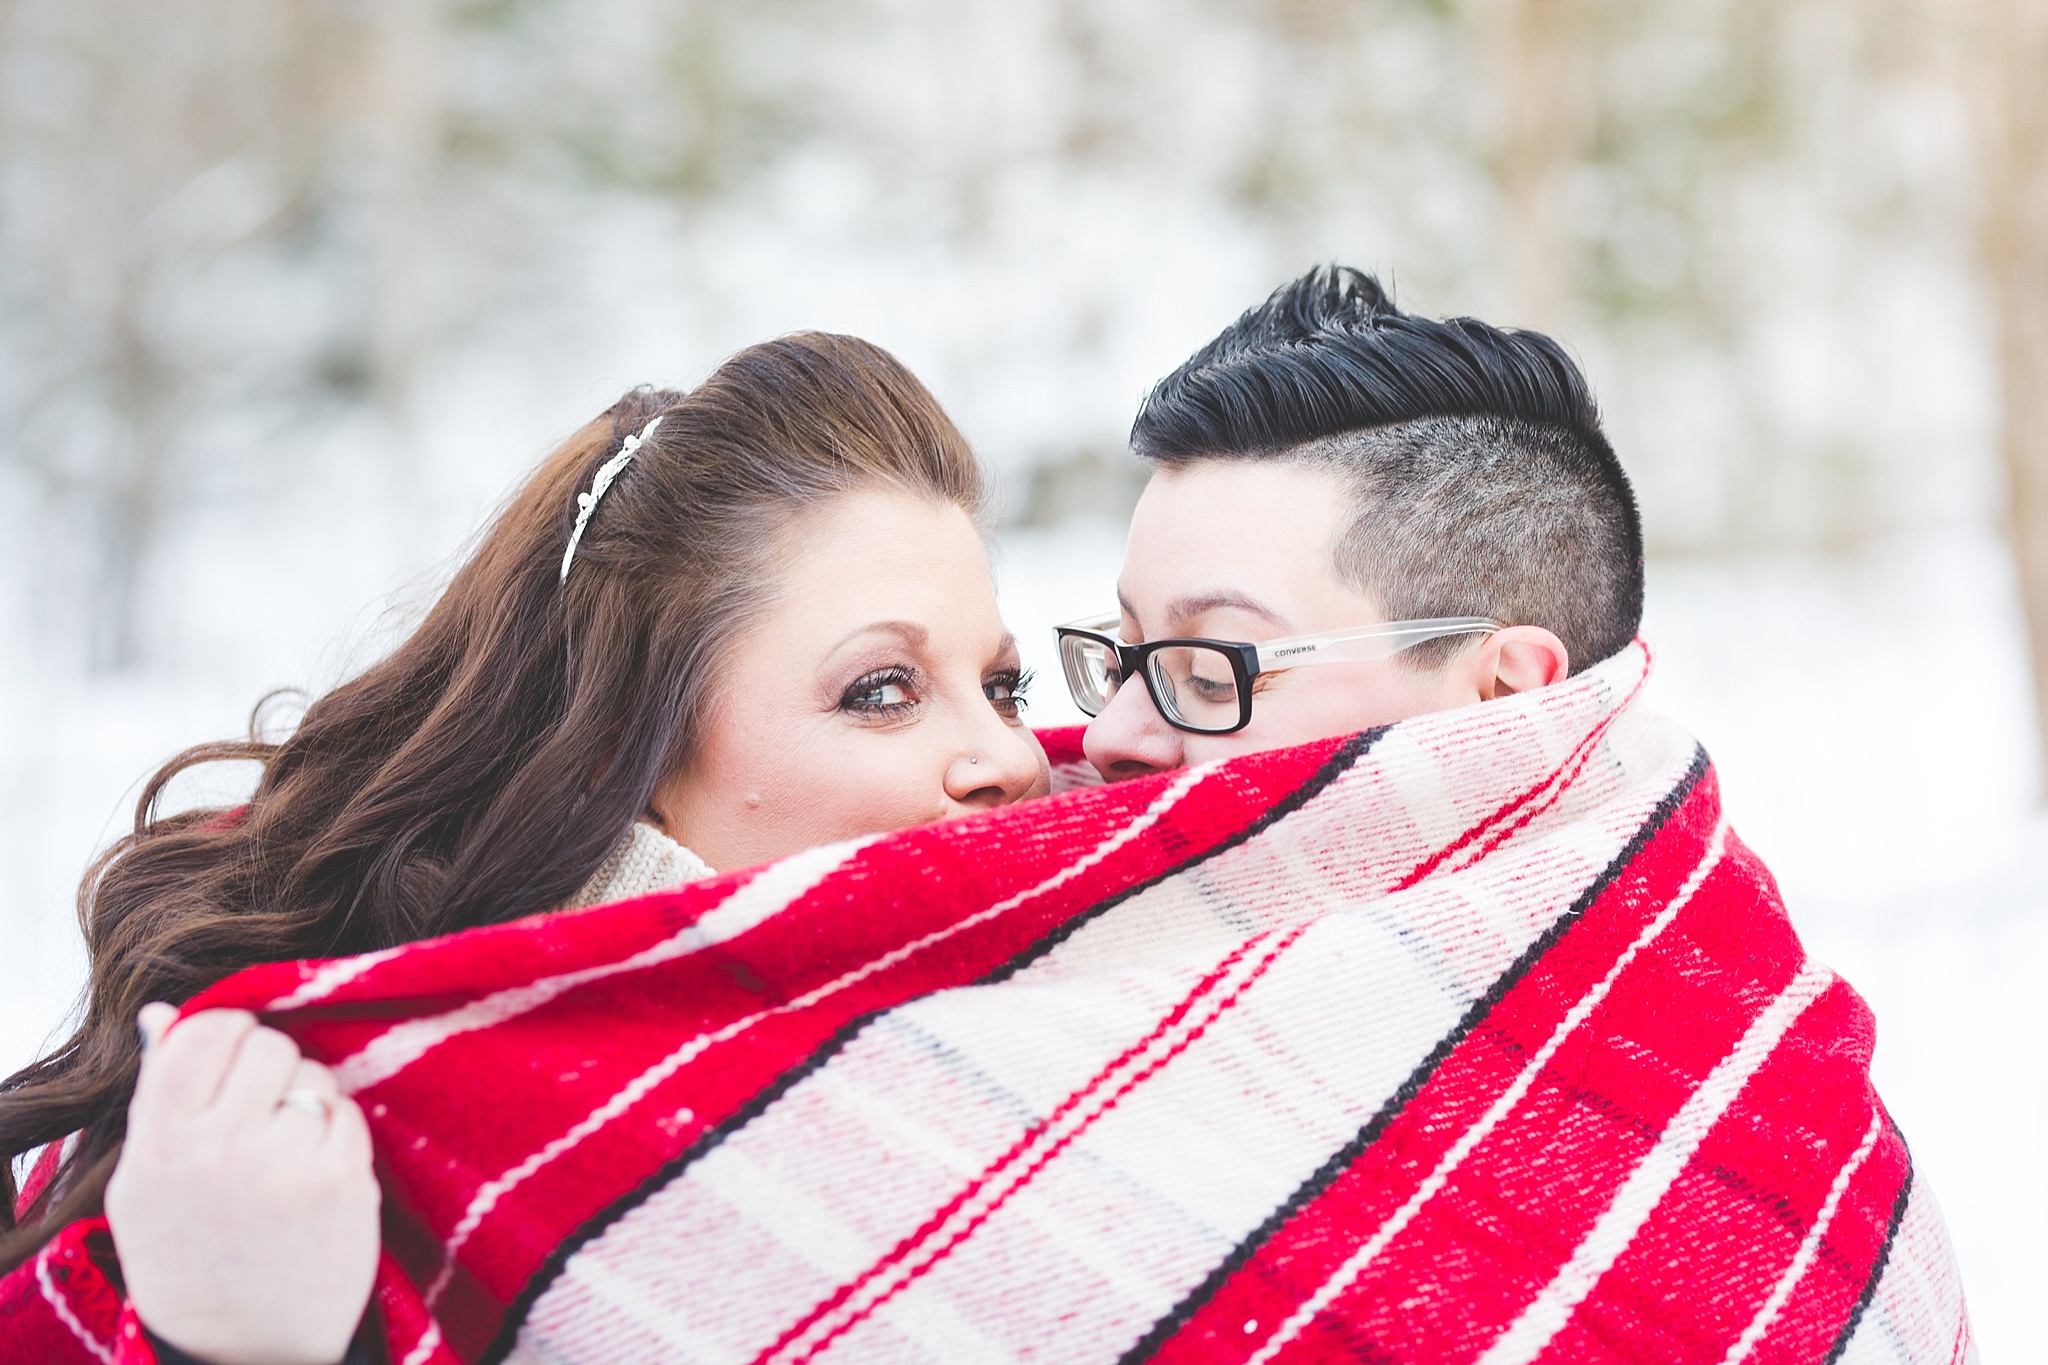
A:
1484,485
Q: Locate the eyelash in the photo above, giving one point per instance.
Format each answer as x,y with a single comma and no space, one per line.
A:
1018,681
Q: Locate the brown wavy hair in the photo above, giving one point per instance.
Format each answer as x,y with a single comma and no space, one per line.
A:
486,768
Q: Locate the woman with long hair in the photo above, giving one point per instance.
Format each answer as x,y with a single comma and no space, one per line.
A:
713,629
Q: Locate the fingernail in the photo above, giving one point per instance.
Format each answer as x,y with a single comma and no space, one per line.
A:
142,1026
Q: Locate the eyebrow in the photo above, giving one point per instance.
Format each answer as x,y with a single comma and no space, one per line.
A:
1216,599
910,632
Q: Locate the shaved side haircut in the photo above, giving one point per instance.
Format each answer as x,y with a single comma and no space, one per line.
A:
1482,482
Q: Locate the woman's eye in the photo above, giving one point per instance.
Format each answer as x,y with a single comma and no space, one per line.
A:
885,693
1005,692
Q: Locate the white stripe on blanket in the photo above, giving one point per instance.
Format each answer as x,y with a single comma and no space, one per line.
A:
330,977
62,1307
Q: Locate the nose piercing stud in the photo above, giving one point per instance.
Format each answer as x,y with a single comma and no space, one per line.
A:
974,760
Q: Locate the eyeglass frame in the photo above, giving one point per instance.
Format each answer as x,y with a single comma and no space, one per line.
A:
1245,659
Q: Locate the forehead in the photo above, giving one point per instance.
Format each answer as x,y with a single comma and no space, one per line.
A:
872,552
1264,529
864,568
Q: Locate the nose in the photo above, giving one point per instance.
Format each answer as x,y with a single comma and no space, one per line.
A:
1130,739
999,764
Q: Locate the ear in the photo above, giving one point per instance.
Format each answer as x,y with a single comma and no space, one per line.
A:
1520,659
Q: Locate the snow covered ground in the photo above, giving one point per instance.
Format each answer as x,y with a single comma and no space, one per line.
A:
1869,716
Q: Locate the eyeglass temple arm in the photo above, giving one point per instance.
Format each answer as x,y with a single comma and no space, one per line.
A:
1363,646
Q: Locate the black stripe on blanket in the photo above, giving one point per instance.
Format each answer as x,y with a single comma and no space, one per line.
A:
1340,1161
1884,1253
516,1311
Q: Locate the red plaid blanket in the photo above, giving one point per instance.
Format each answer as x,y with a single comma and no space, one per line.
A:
1480,1037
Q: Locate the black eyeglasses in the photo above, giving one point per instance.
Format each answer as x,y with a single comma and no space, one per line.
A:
1205,686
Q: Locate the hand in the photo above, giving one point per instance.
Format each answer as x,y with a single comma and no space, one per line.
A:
247,1228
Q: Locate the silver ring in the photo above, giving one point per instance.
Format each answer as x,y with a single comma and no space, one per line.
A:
310,1101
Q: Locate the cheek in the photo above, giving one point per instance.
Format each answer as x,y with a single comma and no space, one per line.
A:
1325,703
841,785
1315,708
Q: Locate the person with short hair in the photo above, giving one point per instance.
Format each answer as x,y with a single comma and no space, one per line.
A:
1428,510
1359,517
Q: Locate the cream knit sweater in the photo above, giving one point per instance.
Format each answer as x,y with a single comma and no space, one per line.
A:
645,861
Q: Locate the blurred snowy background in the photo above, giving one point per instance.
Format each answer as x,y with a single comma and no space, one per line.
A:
292,294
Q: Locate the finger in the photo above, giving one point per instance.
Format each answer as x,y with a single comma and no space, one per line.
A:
348,1133
183,1069
263,1066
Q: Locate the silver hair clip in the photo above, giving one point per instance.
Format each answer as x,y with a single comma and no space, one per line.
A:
586,503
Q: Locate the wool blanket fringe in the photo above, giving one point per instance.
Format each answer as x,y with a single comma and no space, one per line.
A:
1480,1037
